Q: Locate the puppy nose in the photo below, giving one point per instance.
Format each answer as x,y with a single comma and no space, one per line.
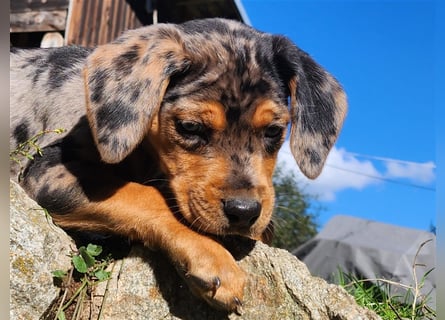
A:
242,212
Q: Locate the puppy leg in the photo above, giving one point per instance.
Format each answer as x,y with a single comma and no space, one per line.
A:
91,201
140,212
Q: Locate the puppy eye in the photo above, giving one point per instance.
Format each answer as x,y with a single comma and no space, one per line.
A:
193,134
187,127
272,138
273,132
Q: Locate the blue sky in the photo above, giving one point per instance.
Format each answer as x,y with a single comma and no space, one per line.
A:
383,166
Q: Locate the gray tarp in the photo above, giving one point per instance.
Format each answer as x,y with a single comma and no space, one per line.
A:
371,250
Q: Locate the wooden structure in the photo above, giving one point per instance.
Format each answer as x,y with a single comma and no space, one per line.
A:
99,21
35,16
93,22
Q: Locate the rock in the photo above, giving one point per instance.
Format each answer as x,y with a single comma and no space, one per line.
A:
144,285
36,248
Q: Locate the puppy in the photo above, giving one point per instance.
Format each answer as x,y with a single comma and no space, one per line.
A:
171,138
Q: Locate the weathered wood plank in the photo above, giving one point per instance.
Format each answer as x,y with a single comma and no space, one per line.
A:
96,22
17,6
38,21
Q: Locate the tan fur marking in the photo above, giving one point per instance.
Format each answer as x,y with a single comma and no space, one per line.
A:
267,112
211,113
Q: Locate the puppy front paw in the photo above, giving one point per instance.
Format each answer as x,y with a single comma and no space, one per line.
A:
213,274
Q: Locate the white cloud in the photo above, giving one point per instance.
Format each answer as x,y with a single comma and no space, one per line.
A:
416,172
345,170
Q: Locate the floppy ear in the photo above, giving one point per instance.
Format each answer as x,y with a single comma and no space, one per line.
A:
125,82
318,106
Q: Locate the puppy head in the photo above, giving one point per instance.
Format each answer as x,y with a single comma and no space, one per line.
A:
211,97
